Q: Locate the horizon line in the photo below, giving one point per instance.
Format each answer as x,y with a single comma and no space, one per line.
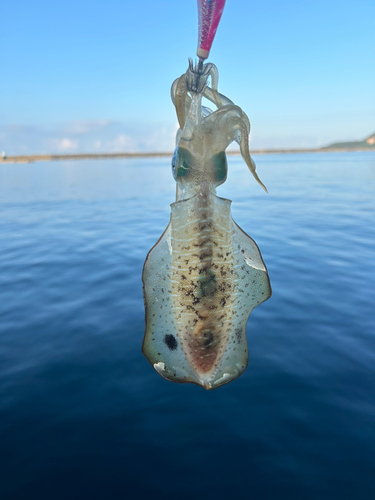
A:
165,154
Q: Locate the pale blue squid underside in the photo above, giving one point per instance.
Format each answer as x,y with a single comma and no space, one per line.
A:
205,275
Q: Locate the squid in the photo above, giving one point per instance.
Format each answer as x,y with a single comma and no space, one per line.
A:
205,275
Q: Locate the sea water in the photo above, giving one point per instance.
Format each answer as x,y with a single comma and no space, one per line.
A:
84,415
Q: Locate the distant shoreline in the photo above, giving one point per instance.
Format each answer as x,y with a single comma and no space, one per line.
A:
115,156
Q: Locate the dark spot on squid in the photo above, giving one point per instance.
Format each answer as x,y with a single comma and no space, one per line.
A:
238,333
170,342
208,339
208,284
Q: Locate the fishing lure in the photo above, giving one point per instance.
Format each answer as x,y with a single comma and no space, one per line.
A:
205,275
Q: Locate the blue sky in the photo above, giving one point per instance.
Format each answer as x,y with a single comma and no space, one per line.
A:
95,75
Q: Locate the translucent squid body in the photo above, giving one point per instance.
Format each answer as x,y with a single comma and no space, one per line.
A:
205,275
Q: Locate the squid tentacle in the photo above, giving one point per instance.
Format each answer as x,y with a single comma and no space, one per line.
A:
220,98
214,84
228,108
243,142
180,97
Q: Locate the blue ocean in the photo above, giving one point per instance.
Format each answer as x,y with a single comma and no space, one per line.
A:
82,412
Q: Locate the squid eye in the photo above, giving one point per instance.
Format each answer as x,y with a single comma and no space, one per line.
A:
174,160
182,163
220,166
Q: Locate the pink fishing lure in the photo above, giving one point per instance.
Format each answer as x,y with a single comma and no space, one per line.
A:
209,14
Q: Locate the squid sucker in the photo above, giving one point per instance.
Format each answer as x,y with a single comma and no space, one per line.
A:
205,275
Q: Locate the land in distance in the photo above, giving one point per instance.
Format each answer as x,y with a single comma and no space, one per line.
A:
367,144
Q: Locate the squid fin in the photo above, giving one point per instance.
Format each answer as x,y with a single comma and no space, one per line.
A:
161,346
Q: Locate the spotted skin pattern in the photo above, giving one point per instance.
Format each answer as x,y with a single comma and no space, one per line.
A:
205,275
202,280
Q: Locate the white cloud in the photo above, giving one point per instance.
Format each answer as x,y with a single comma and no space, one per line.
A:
86,136
106,136
124,142
67,145
79,127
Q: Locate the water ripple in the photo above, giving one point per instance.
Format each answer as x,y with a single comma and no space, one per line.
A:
83,414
